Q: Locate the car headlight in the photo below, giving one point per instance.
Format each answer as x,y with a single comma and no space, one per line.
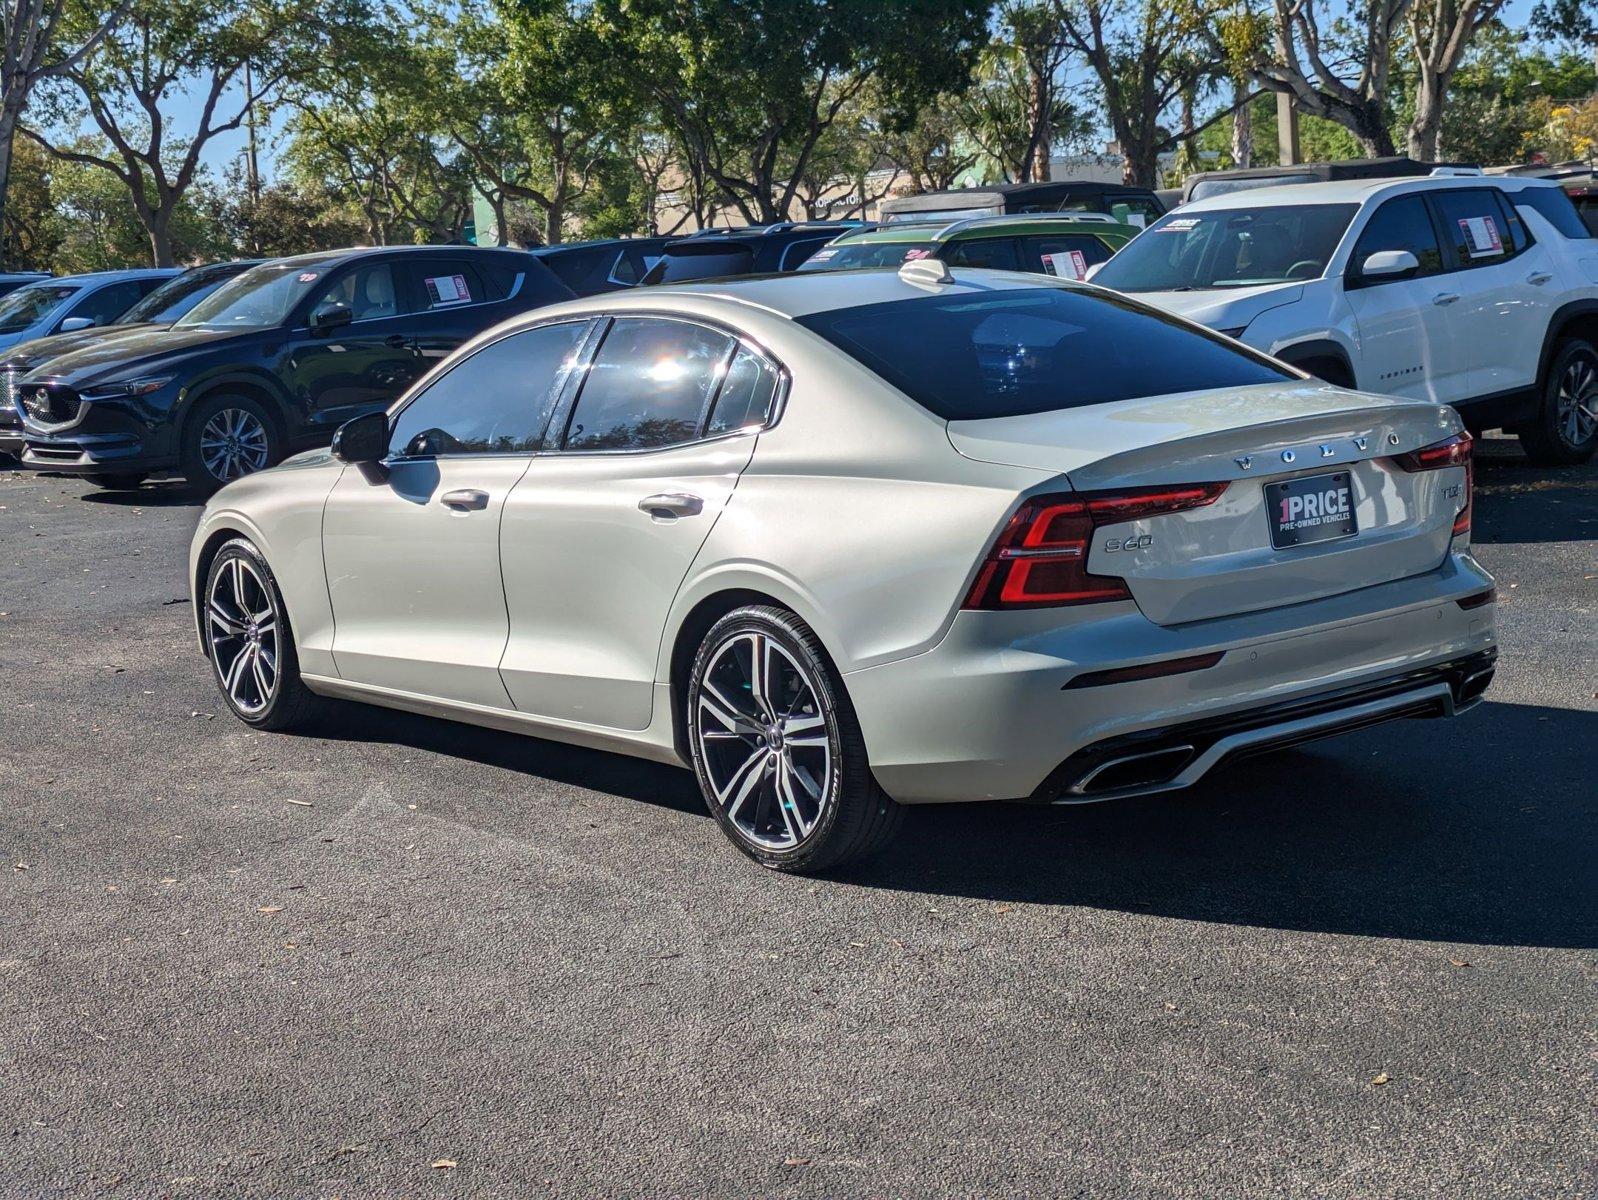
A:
1232,333
131,387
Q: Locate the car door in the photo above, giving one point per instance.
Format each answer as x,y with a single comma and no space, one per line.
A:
365,364
412,544
599,534
1501,280
453,299
1409,344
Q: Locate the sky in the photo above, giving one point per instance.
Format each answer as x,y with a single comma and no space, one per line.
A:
229,148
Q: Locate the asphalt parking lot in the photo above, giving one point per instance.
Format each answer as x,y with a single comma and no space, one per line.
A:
406,957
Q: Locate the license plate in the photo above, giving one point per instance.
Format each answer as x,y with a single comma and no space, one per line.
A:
1316,508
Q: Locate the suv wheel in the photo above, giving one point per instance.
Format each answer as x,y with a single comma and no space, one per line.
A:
250,644
1565,430
776,747
227,438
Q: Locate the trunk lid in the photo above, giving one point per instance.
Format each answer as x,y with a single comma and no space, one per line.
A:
1220,559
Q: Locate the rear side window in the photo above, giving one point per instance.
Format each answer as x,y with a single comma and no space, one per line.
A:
1555,207
649,385
1401,224
1475,226
1004,354
746,394
998,254
497,401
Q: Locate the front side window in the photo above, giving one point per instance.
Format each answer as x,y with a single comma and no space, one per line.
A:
649,385
1475,225
1068,256
997,254
497,401
108,303
1401,224
368,292
1006,353
1230,248
27,306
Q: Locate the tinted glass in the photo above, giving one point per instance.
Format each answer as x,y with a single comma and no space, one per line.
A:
844,256
448,283
796,254
1068,257
495,402
261,298
1587,209
1204,189
25,306
1401,224
368,292
746,394
1475,225
998,254
177,296
648,385
108,303
1001,354
1519,236
1230,247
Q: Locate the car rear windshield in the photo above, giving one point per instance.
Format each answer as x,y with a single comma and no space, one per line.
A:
1230,248
1008,353
845,256
25,306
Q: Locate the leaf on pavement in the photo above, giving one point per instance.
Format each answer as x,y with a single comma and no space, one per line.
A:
1384,1077
443,1164
269,909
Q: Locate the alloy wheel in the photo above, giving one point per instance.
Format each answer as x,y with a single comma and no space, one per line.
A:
1576,406
233,443
243,630
764,741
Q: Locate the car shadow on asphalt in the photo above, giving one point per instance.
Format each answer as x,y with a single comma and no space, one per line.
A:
1479,831
1517,502
174,494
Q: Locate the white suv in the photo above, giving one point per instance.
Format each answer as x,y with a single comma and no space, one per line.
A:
1477,292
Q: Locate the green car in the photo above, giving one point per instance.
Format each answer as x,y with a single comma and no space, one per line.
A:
1046,243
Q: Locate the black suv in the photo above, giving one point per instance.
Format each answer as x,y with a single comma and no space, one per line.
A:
273,361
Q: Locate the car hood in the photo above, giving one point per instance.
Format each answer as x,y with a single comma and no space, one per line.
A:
34,353
1224,308
136,353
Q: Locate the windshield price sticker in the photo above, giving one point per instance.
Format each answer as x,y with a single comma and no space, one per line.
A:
1179,225
1067,264
1481,235
447,289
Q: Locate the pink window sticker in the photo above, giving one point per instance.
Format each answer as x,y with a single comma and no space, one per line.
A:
912,255
1481,236
307,276
447,289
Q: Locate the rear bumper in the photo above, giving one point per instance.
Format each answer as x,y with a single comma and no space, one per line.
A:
987,714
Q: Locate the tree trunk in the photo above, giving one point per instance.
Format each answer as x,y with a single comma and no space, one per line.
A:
8,133
159,223
1425,131
554,220
1040,150
1242,126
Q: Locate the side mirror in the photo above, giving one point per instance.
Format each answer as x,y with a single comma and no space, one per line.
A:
1389,264
328,319
362,440
73,324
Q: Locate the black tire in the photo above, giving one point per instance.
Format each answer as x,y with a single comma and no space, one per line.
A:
262,448
1557,437
120,482
853,818
289,704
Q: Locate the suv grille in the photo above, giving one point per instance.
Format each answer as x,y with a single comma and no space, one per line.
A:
49,405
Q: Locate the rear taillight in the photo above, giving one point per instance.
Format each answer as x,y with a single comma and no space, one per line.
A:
1455,452
1040,559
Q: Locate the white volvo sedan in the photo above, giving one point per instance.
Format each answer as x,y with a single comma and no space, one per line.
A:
846,542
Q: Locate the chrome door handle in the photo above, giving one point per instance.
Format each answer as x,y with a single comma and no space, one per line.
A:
1445,297
466,499
671,505
1538,278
